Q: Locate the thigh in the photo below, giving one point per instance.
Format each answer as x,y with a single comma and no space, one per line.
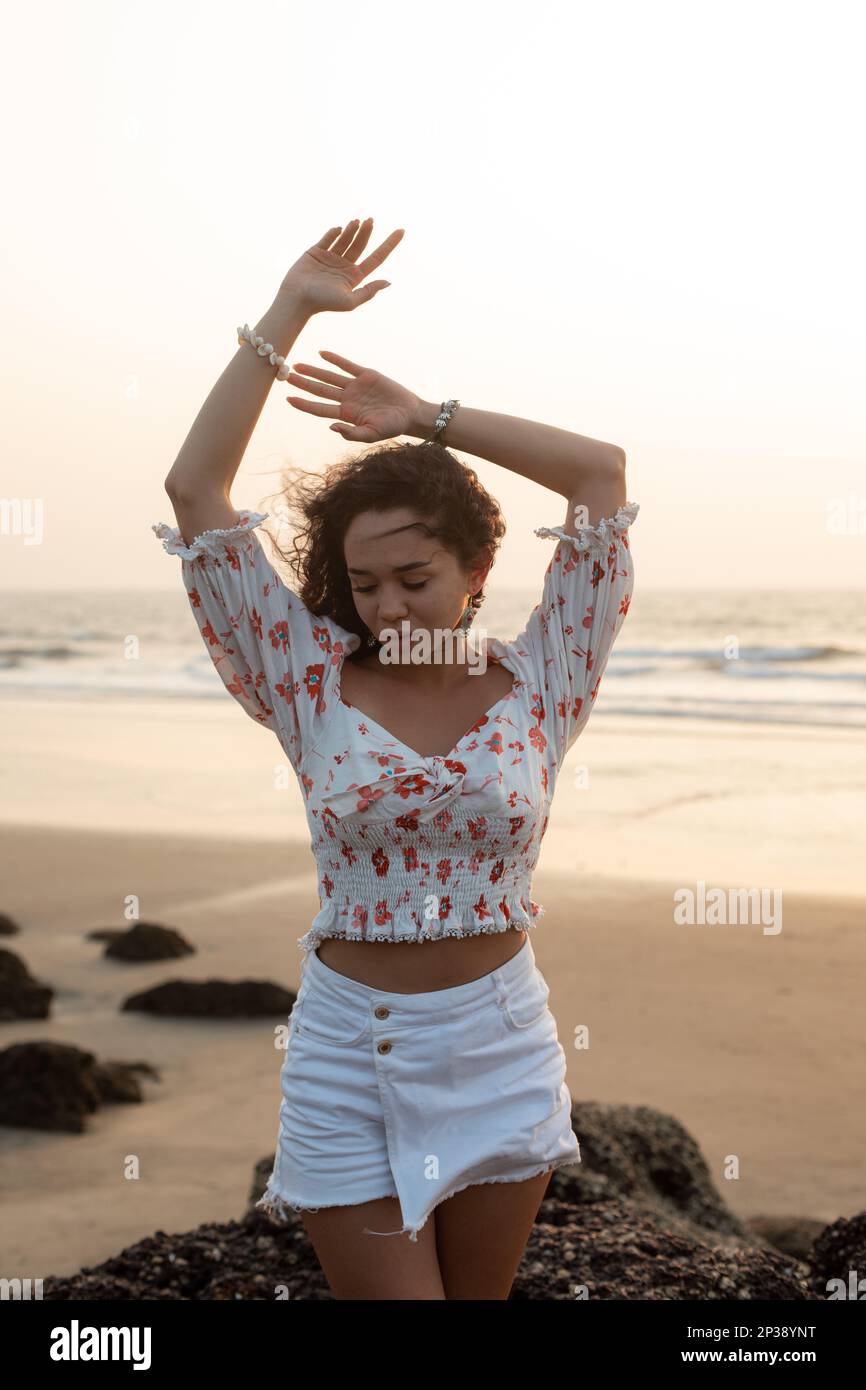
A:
361,1266
481,1235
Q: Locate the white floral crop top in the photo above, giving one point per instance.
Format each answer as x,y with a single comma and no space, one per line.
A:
410,848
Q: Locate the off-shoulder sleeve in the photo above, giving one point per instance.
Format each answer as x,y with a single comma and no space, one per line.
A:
570,633
275,657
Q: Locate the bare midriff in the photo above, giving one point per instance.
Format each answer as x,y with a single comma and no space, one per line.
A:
415,967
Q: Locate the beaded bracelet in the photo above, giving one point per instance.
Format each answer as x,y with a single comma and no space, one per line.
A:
246,335
447,410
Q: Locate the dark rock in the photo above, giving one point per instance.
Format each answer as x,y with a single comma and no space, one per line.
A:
839,1253
213,999
55,1086
610,1249
148,941
669,1238
105,933
117,1081
226,1262
21,996
8,926
639,1153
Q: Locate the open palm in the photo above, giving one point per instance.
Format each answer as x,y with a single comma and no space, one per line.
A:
368,405
326,276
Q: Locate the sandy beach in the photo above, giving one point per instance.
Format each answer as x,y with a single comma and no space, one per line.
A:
753,1040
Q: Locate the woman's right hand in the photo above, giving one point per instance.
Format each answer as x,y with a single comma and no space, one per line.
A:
326,277
368,405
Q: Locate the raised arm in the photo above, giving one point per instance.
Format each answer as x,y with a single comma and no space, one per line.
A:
589,472
366,405
325,277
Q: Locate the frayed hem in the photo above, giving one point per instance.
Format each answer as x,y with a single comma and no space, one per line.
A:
413,1229
277,1208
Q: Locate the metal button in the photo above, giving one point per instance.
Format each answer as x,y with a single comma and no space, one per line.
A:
382,1012
384,1047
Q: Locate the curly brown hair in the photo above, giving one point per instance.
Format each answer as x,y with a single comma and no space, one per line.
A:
424,477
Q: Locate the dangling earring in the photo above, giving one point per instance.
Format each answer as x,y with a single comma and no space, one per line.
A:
466,620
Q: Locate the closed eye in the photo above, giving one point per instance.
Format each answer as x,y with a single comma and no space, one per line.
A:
371,587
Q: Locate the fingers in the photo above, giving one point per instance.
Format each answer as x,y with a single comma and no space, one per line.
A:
343,362
357,234
320,375
325,241
329,412
316,388
364,232
345,237
353,238
382,252
361,296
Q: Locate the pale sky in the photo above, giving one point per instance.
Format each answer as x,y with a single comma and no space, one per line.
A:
643,223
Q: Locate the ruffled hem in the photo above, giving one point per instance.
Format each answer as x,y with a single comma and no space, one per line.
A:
589,537
207,542
327,923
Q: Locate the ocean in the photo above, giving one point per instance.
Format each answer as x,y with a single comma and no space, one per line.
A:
777,657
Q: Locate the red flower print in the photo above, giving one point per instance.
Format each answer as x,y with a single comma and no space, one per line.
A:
408,821
443,870
516,823
442,820
313,681
359,916
597,574
587,620
537,707
321,637
382,915
381,862
195,598
348,854
497,870
594,691
578,705
481,909
413,785
494,743
503,905
477,828
444,908
624,604
279,635
328,885
410,858
210,636
537,739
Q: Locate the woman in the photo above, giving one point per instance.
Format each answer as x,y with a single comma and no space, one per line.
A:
426,1079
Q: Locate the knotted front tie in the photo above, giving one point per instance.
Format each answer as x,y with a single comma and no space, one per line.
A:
423,788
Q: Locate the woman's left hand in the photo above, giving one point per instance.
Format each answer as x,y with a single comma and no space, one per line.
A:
368,405
326,276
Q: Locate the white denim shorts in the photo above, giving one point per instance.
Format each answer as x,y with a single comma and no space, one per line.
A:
417,1096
